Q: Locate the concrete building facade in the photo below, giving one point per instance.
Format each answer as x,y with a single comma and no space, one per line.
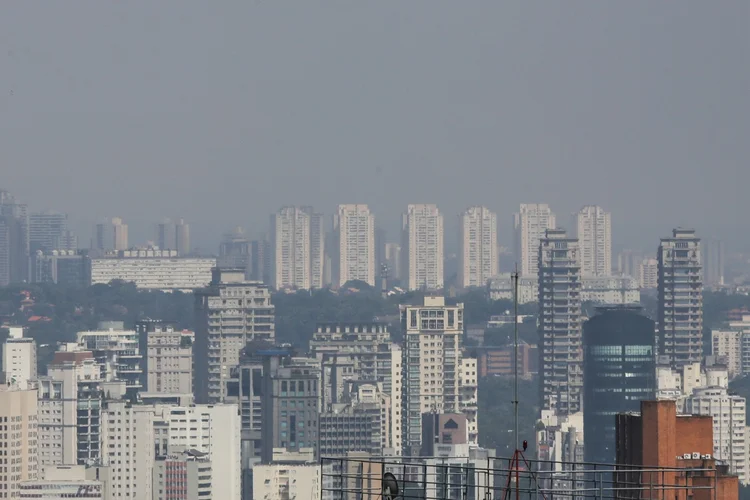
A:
530,224
168,353
478,258
594,233
19,358
297,240
354,253
422,247
648,273
18,438
153,269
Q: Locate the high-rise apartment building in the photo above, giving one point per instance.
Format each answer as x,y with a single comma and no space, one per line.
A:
260,261
431,364
230,312
120,234
117,351
210,429
594,231
649,274
393,261
182,237
18,439
713,262
290,403
469,398
730,434
422,247
183,476
127,444
619,372
560,349
297,240
47,230
354,253
530,223
165,235
680,295
478,259
235,251
19,358
169,357
14,240
65,267
628,262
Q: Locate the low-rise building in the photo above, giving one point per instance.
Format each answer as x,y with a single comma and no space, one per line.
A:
501,288
183,476
288,475
610,290
499,360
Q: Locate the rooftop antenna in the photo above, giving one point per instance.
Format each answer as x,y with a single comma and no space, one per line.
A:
514,278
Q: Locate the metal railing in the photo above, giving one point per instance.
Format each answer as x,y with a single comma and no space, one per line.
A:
426,478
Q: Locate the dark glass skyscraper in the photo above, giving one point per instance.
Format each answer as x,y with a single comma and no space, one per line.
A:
618,373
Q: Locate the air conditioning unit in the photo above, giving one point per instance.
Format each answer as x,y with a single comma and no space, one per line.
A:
686,456
696,456
707,456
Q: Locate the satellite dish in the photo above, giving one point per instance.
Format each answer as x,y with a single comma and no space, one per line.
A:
390,486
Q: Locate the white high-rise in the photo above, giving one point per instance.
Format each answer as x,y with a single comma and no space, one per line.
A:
297,241
530,223
649,273
354,228
594,232
19,358
422,247
478,255
18,441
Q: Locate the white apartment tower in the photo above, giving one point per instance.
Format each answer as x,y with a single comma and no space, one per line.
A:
422,247
561,349
229,313
594,231
431,364
730,438
297,241
120,232
680,291
478,255
19,358
168,352
354,228
18,439
530,224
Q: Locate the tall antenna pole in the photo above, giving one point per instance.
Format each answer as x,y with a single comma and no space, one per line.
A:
514,277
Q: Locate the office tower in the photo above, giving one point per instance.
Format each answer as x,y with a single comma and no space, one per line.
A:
730,434
431,364
19,439
210,429
290,404
297,240
422,247
680,291
354,252
46,230
169,357
649,274
618,373
230,312
166,235
260,260
117,351
65,267
478,254
120,234
355,426
183,476
594,232
70,398
530,223
235,251
561,352
713,262
182,237
14,246
127,434
19,358
628,262
67,240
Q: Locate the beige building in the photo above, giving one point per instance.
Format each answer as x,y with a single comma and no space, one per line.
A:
478,260
354,259
19,358
63,482
422,247
469,402
153,269
290,475
169,358
297,241
431,364
594,231
18,438
530,223
120,231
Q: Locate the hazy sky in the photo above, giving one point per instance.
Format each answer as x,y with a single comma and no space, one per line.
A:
223,111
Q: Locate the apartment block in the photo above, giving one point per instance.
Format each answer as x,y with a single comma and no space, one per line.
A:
169,357
297,239
64,267
610,290
530,224
47,231
18,438
431,364
230,312
648,272
561,350
422,247
680,298
153,269
117,352
594,232
183,476
469,397
478,258
354,253
19,358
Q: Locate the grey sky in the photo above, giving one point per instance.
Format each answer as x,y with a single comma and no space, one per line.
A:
223,111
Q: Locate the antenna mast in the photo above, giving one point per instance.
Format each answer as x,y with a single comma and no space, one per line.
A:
514,278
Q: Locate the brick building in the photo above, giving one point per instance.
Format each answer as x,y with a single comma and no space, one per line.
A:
499,360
